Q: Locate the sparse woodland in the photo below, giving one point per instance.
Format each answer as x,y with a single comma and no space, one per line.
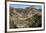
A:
25,18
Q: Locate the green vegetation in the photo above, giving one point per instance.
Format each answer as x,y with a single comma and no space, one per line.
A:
34,21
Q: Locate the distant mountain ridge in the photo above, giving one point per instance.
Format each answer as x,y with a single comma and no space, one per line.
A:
24,14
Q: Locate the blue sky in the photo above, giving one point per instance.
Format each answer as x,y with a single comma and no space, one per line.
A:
24,6
19,6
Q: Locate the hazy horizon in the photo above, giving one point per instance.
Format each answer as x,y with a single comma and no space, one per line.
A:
25,6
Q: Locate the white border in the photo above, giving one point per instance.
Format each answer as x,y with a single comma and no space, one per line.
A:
22,29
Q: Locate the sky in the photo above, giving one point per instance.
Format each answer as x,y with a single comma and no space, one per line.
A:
19,6
24,6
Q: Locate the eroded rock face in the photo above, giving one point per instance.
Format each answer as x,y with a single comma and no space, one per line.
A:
20,23
24,20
